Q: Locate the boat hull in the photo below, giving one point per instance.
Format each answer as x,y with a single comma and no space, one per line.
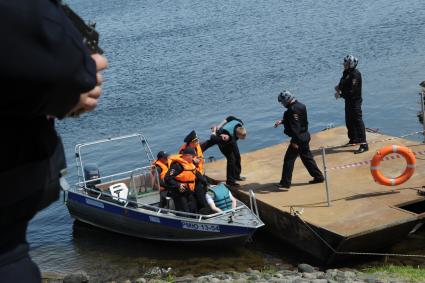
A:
150,225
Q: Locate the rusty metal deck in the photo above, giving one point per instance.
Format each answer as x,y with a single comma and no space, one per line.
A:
359,206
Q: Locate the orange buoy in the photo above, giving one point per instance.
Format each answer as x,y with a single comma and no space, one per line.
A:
380,154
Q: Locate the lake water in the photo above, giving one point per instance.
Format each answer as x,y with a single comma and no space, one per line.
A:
183,64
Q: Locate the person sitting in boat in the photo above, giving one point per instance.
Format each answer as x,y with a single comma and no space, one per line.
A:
220,198
180,180
162,164
192,141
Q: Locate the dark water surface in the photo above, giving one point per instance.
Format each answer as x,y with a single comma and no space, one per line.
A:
182,64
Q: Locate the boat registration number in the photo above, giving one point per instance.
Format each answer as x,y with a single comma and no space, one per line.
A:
200,226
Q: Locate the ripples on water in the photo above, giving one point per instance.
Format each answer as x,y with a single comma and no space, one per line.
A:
182,65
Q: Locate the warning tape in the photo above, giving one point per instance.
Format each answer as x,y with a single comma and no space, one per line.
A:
367,162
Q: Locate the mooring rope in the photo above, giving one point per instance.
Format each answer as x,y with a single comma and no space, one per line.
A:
296,213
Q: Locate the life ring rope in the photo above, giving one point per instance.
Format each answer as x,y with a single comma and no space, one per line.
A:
380,154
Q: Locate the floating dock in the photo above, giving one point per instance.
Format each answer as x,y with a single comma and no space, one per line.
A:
363,216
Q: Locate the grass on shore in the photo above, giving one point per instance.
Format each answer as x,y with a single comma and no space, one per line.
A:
408,272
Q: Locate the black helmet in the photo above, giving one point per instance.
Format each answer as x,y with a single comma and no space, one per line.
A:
351,61
285,97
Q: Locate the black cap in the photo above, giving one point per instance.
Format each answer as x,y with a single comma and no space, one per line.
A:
191,137
162,154
189,150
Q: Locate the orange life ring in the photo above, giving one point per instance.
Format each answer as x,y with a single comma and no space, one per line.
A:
380,154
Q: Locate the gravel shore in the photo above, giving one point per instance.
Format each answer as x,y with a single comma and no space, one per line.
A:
303,273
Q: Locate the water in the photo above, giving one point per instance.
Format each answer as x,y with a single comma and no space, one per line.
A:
182,65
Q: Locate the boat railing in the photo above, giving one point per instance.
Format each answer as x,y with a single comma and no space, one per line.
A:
253,203
114,177
79,147
129,203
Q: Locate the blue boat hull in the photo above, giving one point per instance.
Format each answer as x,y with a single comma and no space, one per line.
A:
150,225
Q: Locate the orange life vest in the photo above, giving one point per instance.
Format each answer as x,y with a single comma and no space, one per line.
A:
188,175
200,154
164,168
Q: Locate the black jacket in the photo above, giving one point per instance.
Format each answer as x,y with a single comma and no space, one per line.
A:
45,67
175,169
295,122
350,85
216,139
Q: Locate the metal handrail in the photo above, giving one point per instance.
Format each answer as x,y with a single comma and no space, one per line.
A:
422,93
78,147
325,172
83,183
157,209
253,201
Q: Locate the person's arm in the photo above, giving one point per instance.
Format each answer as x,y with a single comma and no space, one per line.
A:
43,54
201,179
234,203
211,203
342,83
218,136
277,123
169,179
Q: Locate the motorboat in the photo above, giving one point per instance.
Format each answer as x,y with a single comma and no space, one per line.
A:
128,201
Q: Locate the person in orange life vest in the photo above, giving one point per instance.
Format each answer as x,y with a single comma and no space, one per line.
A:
192,141
180,180
162,164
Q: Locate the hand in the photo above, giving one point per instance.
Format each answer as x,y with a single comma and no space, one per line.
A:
182,188
294,145
224,137
337,95
277,123
88,100
196,160
337,88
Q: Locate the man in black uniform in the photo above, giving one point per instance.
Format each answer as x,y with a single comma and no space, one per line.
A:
181,180
226,135
296,126
45,72
350,88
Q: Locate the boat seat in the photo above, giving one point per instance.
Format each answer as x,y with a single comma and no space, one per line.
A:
141,183
119,192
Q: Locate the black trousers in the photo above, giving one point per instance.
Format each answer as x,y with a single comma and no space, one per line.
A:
291,155
15,262
354,121
233,168
200,192
185,201
16,266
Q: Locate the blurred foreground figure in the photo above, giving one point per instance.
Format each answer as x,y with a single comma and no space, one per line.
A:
45,72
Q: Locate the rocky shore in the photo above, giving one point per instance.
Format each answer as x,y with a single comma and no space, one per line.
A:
303,273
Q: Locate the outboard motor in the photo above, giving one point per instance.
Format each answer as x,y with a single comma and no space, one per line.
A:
91,172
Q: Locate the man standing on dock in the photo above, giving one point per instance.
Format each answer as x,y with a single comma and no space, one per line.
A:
226,135
296,126
350,88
